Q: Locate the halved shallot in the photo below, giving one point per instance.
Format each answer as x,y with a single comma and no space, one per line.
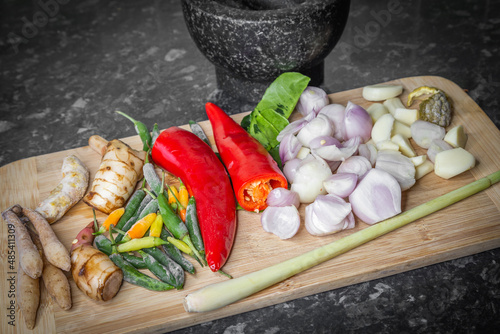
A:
336,113
328,214
289,147
320,126
369,151
295,126
398,165
309,177
355,164
283,197
357,122
334,153
290,168
283,221
376,197
341,184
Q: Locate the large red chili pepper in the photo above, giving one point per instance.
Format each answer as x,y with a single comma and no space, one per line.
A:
253,171
185,155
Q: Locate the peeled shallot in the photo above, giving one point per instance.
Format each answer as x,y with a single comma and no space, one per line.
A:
309,177
312,100
341,184
328,214
283,221
376,197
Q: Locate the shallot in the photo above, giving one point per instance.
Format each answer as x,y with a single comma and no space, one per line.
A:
312,100
376,197
369,151
328,214
437,145
289,147
355,165
335,153
357,122
282,221
290,169
398,165
320,126
341,184
309,177
336,113
423,133
283,197
295,126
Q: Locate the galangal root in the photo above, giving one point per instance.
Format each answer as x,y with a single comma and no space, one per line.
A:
118,174
68,192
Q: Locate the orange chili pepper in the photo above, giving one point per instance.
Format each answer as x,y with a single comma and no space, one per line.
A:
139,229
113,218
183,200
173,195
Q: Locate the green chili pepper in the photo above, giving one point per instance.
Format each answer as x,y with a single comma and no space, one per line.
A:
173,267
142,131
155,133
140,243
198,131
158,269
134,276
193,226
176,226
104,245
152,178
175,254
131,274
131,207
151,207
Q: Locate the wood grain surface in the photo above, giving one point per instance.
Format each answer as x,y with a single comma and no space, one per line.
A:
465,228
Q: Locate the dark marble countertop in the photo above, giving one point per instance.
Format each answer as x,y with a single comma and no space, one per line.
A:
62,79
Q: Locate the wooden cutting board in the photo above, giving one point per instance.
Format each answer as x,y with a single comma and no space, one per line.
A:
468,227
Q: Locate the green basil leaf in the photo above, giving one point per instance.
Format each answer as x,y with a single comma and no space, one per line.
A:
271,114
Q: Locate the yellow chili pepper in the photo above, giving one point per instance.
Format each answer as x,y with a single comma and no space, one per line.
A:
155,230
140,243
181,245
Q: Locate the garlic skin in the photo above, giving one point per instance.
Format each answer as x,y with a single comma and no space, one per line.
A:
328,214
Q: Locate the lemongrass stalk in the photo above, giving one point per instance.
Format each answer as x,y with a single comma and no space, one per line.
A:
224,293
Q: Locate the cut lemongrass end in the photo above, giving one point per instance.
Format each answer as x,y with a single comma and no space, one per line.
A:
224,293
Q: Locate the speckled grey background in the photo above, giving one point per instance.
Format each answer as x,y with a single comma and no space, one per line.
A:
61,82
